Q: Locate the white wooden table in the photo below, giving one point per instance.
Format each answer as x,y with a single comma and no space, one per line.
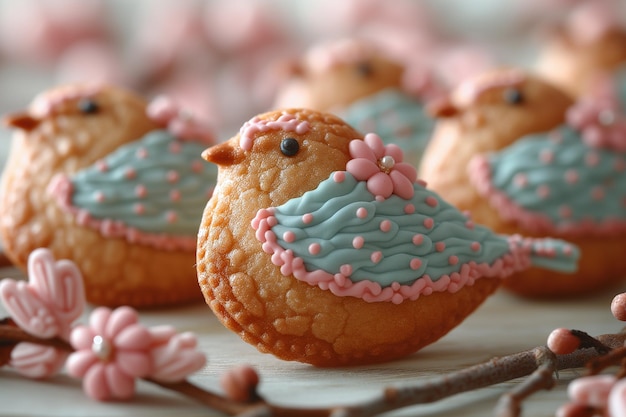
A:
503,325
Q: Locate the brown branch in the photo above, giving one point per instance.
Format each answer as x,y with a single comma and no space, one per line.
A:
540,363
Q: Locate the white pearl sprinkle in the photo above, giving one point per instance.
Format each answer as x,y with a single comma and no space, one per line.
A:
101,348
387,162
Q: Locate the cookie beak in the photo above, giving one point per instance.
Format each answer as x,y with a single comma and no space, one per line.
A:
22,120
441,108
223,154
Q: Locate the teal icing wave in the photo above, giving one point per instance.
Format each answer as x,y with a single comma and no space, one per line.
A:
195,181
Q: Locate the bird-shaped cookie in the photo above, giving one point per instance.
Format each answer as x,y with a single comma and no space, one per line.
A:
368,88
539,167
100,177
320,245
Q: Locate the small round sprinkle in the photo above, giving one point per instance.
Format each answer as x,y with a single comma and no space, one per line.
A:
289,236
431,201
440,246
546,156
172,176
358,242
346,270
339,177
175,147
520,180
597,193
429,223
130,173
175,195
376,257
453,260
571,176
543,191
409,209
385,226
102,166
475,246
142,153
99,196
141,191
197,166
139,209
172,217
315,248
418,239
565,211
592,159
361,212
415,263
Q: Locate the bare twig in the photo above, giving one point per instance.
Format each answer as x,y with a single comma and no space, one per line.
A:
540,363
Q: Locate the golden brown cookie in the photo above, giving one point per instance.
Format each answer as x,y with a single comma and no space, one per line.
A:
77,182
482,121
290,230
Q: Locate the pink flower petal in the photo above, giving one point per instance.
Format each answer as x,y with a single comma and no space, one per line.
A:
161,334
362,169
174,361
119,383
395,152
137,364
617,399
380,185
376,145
120,318
27,308
36,361
407,170
360,149
98,320
95,383
81,337
591,390
401,185
133,337
79,362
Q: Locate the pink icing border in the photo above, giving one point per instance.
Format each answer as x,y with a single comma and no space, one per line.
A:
370,291
471,90
287,122
48,105
60,187
479,172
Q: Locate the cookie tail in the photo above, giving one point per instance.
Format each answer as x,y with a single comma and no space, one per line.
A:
547,253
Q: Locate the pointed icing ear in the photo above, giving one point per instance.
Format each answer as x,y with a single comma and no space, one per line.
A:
27,309
58,283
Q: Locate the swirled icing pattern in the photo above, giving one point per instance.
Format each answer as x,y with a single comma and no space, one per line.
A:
395,115
340,237
151,191
556,183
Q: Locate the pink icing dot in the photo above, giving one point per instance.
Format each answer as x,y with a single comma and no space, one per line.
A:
565,212
272,221
453,260
431,201
520,180
571,176
409,209
339,177
99,196
555,136
592,159
418,239
415,263
141,191
543,191
340,279
289,236
307,218
358,242
175,195
546,156
469,224
314,248
385,225
475,246
172,176
139,209
597,193
379,198
130,173
172,217
376,256
197,166
346,270
440,246
567,250
102,166
175,147
361,212
429,223
142,153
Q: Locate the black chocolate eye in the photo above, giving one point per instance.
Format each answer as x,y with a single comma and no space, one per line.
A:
289,146
513,96
88,106
365,69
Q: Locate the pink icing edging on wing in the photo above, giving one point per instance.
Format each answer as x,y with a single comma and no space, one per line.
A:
339,284
287,122
61,188
480,176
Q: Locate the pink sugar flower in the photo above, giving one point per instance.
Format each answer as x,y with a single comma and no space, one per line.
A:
110,353
600,123
45,306
174,356
179,122
382,167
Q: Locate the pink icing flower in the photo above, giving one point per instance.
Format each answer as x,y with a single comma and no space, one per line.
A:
179,122
605,394
382,167
110,353
600,122
174,356
45,307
